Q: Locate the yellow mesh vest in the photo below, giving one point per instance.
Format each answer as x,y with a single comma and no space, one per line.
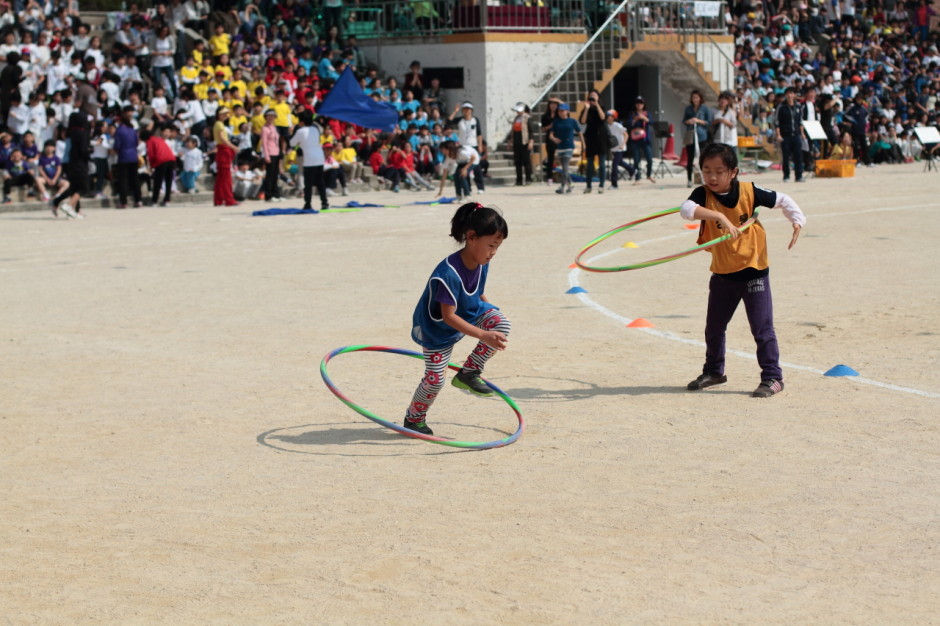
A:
748,250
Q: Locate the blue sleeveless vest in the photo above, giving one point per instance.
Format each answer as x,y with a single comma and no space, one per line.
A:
428,327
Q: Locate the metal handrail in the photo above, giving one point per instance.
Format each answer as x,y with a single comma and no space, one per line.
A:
574,59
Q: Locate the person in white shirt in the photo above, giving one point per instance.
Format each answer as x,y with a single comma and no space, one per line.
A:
461,161
62,105
247,182
193,114
161,110
210,105
307,138
101,143
470,134
192,165
37,114
726,121
55,74
18,119
616,129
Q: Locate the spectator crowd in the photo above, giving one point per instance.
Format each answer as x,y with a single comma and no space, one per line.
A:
868,71
184,91
181,86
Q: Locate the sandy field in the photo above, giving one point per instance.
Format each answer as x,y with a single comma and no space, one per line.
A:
171,455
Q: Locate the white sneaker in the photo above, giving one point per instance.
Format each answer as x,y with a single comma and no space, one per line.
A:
345,192
67,209
480,192
330,192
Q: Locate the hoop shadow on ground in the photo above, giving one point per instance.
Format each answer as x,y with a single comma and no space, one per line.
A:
343,434
585,390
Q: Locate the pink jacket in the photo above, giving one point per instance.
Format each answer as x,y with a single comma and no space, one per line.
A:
270,141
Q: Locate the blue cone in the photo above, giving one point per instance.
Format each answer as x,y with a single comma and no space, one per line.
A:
577,290
841,370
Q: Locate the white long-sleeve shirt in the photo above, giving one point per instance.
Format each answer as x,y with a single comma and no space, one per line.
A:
788,205
308,139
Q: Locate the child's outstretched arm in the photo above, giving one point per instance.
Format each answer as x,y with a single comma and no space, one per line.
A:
692,211
791,210
492,338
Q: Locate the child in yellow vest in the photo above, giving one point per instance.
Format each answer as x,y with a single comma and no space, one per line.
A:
740,269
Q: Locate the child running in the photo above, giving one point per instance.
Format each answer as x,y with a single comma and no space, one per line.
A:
740,270
453,305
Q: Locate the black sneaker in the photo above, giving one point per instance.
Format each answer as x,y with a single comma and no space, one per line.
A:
471,381
418,427
767,388
707,380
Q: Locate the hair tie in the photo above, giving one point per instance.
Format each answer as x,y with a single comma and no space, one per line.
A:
477,205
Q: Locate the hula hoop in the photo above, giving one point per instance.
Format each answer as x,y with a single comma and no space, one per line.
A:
664,259
471,445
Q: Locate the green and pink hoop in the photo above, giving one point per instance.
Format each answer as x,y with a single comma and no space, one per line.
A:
660,260
469,445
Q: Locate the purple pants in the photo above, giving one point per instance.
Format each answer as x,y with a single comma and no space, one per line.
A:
723,298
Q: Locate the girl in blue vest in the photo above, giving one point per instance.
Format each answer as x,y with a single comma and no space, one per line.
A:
453,305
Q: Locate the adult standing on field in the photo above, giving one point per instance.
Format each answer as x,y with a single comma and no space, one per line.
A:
224,157
593,120
307,138
470,134
125,147
271,151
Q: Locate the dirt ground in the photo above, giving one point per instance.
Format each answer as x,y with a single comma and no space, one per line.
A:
170,453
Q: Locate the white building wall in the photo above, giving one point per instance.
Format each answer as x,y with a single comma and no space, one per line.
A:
497,74
716,58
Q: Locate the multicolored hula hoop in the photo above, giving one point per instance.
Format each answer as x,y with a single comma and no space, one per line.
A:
471,445
665,259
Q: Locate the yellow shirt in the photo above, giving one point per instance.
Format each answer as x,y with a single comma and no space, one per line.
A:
218,86
190,74
226,72
235,121
257,122
347,155
748,250
254,85
197,56
267,101
220,133
232,102
284,115
201,91
219,44
240,86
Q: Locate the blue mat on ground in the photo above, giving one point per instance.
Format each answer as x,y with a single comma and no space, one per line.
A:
352,204
444,200
267,212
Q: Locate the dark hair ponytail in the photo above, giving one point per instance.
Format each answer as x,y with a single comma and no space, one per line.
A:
483,221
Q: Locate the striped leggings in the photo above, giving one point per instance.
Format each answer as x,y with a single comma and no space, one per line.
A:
435,365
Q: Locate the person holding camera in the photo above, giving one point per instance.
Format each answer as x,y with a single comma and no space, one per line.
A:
593,119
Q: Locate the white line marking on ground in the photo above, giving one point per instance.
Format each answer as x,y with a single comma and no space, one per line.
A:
574,281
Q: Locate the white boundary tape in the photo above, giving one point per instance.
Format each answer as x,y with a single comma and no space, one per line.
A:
574,279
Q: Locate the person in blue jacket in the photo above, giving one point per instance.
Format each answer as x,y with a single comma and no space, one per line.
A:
454,304
697,119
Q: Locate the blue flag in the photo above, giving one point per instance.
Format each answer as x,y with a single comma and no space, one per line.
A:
347,102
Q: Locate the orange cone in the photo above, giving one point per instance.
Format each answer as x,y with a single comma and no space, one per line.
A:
640,323
572,265
691,226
